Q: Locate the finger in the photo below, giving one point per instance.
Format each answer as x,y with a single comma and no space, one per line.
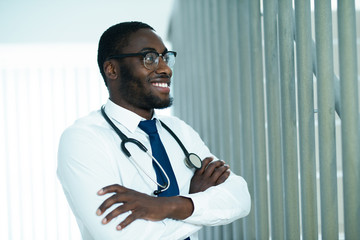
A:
116,212
111,188
212,166
116,198
219,171
129,219
205,163
223,177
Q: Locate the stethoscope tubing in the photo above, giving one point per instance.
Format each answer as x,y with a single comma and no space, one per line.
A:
164,187
190,162
124,140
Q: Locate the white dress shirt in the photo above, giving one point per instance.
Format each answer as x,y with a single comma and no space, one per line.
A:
90,158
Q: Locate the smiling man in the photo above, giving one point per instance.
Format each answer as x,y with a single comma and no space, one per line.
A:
122,167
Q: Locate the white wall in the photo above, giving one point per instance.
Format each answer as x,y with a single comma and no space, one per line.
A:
48,78
39,21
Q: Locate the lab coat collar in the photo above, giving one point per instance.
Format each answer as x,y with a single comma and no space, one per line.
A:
127,118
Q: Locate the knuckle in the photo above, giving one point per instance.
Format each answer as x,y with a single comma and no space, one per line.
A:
211,168
215,176
127,221
116,212
207,160
220,162
105,205
225,175
222,169
110,216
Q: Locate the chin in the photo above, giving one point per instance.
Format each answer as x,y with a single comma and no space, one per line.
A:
164,104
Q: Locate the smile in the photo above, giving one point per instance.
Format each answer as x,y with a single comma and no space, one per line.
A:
158,84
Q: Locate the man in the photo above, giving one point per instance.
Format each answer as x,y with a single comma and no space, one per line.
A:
110,193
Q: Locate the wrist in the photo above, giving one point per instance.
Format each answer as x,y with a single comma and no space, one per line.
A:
180,208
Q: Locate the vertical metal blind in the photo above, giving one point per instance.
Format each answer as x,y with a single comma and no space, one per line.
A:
272,87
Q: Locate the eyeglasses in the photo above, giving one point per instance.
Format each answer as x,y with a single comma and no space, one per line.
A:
150,58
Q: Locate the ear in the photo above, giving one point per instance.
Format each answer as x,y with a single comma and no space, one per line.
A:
110,70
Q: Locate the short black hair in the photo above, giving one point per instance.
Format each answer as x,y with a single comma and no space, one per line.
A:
114,39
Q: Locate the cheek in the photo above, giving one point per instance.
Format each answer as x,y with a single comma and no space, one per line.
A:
143,76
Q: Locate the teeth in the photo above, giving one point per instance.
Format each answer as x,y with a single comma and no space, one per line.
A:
164,85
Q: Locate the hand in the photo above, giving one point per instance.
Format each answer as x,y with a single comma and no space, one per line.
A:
211,173
142,206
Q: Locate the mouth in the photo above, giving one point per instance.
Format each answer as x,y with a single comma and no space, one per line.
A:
161,84
162,87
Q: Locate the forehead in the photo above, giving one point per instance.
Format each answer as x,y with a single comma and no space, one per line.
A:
144,39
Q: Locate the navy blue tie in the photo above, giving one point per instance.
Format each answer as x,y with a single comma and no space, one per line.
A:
158,151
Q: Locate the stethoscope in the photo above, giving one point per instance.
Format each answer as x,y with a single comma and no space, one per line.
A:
191,159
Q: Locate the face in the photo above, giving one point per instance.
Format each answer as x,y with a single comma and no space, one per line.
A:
137,92
138,88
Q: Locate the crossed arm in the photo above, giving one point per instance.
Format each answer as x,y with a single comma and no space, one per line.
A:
217,195
143,206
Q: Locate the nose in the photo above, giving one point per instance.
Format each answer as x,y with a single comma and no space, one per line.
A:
162,67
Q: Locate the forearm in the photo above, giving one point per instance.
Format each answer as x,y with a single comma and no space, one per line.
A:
142,206
221,204
170,228
84,167
179,207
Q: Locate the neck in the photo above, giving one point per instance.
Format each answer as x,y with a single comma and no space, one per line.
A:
145,113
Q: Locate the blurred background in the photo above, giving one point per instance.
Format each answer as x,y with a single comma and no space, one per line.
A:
272,86
48,78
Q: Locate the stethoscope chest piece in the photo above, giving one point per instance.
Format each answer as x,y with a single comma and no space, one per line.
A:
193,161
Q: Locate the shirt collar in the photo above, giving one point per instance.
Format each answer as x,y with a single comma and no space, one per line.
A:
127,118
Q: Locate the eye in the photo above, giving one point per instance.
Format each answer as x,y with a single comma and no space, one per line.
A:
166,58
150,58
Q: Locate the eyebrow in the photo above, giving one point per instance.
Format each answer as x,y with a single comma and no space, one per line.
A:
153,49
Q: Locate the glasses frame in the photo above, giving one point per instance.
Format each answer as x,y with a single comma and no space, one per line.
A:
143,54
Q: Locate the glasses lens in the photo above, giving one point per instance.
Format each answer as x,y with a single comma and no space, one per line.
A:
151,60
169,58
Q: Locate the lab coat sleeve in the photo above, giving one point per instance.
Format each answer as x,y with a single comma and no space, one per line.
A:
219,204
84,167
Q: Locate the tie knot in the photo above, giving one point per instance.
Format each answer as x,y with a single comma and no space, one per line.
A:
148,126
